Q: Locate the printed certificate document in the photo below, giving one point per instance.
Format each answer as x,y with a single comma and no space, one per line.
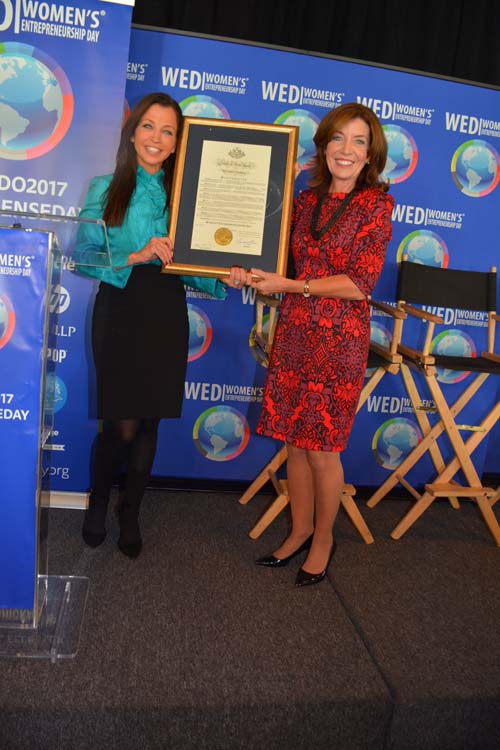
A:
231,197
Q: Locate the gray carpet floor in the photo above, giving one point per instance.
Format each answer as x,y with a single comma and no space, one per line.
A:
193,646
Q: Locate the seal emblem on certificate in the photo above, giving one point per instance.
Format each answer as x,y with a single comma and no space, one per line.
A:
231,197
223,236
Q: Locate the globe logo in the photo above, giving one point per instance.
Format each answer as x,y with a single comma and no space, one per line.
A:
203,106
7,320
394,440
475,168
425,247
452,343
36,102
254,347
56,394
200,333
402,154
307,124
221,433
379,334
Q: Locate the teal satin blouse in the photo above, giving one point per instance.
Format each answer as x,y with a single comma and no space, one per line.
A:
145,218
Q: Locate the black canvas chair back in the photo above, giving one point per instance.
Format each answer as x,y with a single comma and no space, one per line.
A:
438,288
447,287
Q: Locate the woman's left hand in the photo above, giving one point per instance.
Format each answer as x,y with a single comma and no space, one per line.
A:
238,277
268,283
157,247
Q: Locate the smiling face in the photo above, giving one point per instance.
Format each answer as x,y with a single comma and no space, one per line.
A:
155,137
347,153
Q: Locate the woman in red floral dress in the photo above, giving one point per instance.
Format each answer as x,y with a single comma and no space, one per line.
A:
340,230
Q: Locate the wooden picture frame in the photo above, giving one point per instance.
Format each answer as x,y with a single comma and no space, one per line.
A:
232,196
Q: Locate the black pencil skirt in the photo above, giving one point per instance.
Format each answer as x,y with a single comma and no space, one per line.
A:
140,338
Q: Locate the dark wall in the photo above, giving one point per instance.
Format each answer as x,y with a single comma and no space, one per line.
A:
454,38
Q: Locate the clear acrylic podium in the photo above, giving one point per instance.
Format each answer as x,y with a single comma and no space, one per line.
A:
40,614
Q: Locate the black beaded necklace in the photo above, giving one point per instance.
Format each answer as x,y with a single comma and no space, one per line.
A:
315,231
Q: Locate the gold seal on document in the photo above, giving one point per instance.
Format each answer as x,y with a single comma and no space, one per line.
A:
223,236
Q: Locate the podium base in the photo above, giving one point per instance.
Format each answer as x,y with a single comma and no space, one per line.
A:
63,600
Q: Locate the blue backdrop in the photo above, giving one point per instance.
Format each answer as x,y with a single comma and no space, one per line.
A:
444,167
444,138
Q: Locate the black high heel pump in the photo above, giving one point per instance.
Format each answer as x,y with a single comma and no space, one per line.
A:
270,561
308,579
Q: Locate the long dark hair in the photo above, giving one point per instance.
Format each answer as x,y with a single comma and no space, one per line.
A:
332,122
122,185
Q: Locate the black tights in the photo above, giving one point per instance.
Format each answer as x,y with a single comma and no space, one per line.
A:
125,441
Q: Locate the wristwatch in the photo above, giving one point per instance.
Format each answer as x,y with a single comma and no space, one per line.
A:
306,291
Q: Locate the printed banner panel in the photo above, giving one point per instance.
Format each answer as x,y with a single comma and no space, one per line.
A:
23,306
61,107
444,169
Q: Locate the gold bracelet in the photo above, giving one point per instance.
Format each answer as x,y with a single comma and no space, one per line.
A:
306,291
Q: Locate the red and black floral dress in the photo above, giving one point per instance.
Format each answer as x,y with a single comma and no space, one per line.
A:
318,362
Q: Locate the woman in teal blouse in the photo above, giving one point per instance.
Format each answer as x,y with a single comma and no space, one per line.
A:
140,323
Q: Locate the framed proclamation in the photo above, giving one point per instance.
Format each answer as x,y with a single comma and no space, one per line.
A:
232,196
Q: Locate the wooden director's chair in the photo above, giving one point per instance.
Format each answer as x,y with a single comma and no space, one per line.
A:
382,360
463,290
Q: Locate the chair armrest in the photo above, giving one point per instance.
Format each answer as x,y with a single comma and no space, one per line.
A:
394,312
415,355
386,353
491,356
422,314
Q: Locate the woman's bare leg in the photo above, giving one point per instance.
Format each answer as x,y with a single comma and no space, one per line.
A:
328,481
301,494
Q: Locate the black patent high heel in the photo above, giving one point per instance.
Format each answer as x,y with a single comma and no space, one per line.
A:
270,561
308,579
